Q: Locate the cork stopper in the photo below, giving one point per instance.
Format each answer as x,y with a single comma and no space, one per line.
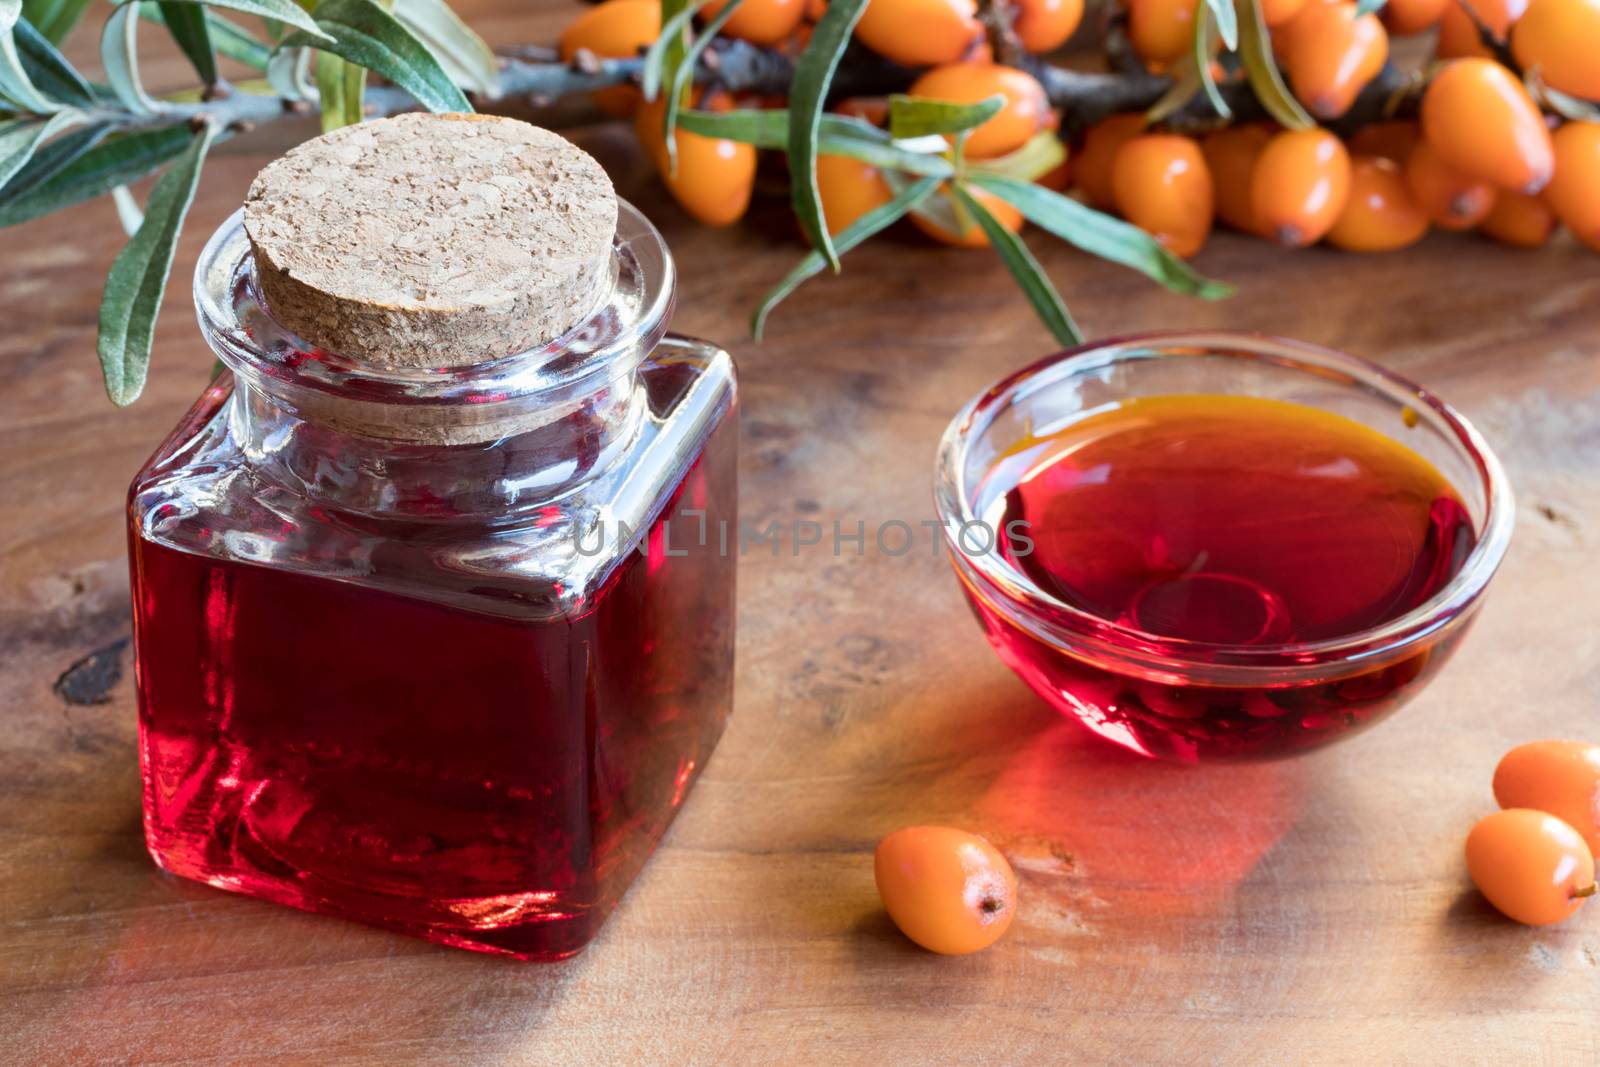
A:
432,240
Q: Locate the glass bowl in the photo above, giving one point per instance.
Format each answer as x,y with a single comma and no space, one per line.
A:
1181,700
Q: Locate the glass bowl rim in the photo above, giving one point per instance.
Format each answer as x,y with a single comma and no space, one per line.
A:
1077,627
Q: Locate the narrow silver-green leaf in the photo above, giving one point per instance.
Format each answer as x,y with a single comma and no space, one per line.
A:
1200,49
138,277
911,116
21,138
119,54
48,70
1030,276
51,156
286,11
661,59
1101,235
685,72
226,36
190,27
1227,23
879,218
15,85
813,73
839,136
463,54
368,36
1039,155
289,73
54,19
1261,70
128,211
115,161
331,89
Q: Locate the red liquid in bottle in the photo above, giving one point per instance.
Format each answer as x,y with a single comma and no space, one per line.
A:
483,780
1225,521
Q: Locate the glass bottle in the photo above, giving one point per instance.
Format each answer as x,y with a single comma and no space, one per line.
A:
436,648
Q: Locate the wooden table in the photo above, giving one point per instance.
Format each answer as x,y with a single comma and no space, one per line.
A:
1313,911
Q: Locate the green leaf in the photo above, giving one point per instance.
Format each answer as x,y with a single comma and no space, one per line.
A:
463,54
138,277
813,73
280,10
839,136
685,71
1200,49
190,27
52,157
368,36
116,161
339,108
128,211
1039,155
21,138
289,73
15,85
661,59
1369,7
1227,23
1035,283
54,19
228,37
1101,235
911,116
48,69
1255,50
119,54
879,218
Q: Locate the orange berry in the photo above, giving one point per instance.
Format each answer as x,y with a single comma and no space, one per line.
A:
1160,30
763,22
949,891
1301,182
1450,198
1574,193
1479,118
1024,112
1164,187
1562,39
715,176
850,189
1045,25
1519,219
952,226
1231,153
1331,53
1100,146
1277,13
1379,214
1392,140
920,33
616,29
1560,778
1405,17
1458,34
1531,865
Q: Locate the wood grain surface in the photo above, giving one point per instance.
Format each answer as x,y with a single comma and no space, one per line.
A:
1306,912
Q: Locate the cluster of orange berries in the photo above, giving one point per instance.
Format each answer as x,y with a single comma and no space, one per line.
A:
1534,859
1482,156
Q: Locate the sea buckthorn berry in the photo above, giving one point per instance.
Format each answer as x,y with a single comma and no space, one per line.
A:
1392,140
850,189
715,176
1301,181
1160,30
1530,865
1405,17
949,891
1025,110
1231,155
616,29
1562,39
1379,214
920,33
1574,193
1458,34
1519,219
1451,199
1479,118
1277,13
946,224
1045,25
1331,52
1560,778
1100,146
1163,186
763,22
